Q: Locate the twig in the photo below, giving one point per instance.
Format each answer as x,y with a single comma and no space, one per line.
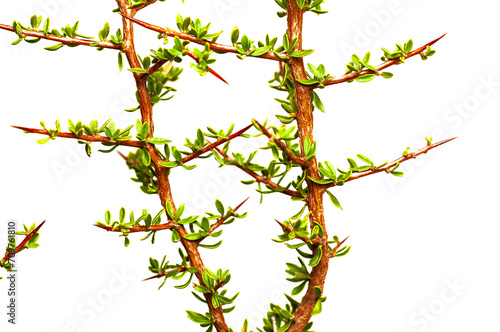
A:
20,247
385,64
283,147
65,40
213,72
388,166
96,138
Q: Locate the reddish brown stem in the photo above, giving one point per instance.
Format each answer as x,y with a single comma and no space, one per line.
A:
210,70
314,199
64,40
96,138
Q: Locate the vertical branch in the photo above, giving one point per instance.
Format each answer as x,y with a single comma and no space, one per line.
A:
162,173
314,197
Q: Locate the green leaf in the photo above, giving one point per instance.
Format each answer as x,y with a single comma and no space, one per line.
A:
193,236
120,61
386,74
43,140
308,82
157,140
317,256
334,200
220,207
235,33
138,70
198,318
145,157
54,47
365,78
300,54
299,288
365,159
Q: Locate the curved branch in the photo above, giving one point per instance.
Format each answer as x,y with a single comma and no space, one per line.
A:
65,40
185,36
97,138
384,65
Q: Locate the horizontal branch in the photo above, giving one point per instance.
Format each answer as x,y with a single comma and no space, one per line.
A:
64,40
384,65
388,166
283,147
212,146
20,247
185,36
260,178
135,229
97,138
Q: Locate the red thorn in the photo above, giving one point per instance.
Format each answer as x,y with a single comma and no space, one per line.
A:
443,141
236,208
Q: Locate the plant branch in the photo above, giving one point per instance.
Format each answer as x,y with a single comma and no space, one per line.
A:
212,146
384,65
283,147
185,36
20,247
259,178
387,167
96,138
64,40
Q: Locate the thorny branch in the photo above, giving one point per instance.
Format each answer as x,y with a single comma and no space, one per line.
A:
387,167
185,36
384,65
65,40
95,138
22,245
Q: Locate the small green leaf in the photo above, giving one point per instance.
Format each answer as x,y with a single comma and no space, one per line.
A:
317,256
159,141
334,200
365,78
120,61
138,70
365,159
300,54
219,206
235,33
386,74
54,47
43,140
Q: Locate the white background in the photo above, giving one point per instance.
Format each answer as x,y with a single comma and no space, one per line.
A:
413,238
